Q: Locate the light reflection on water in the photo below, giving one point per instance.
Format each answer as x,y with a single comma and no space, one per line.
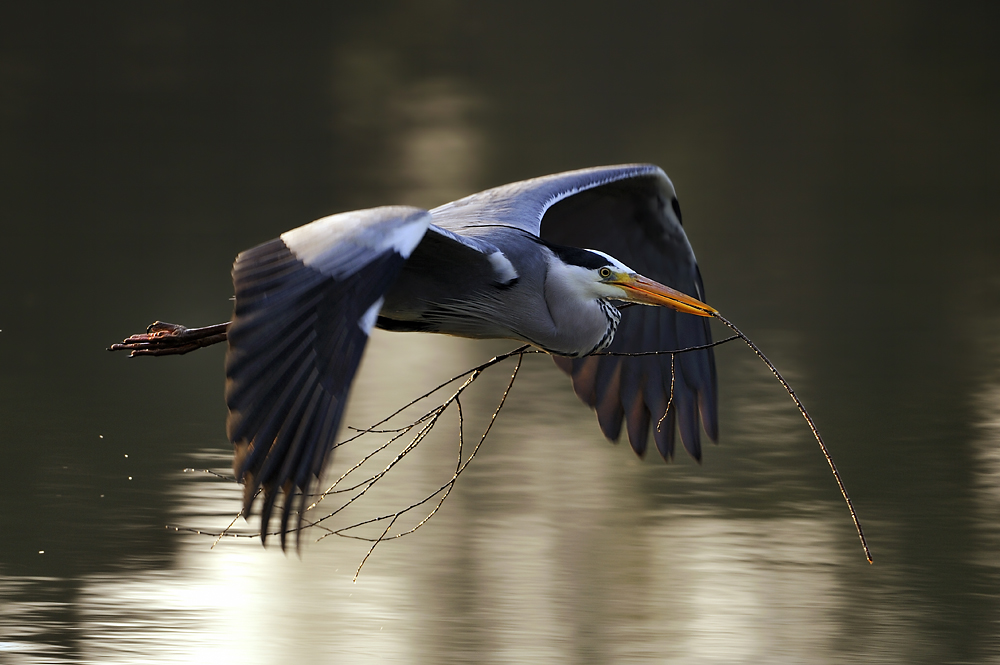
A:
986,446
32,620
422,132
551,545
554,545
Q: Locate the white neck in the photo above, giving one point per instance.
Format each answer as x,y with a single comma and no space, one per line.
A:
580,315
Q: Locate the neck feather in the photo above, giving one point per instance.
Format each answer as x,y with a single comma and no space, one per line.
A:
584,322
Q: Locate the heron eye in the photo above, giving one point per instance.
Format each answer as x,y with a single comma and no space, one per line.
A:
605,273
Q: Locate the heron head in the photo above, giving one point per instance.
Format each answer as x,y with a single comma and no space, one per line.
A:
613,280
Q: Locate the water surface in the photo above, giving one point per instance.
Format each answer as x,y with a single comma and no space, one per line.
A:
837,169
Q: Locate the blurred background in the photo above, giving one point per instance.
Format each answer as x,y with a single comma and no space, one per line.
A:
837,164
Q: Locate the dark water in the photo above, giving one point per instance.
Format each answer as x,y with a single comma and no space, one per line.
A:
838,169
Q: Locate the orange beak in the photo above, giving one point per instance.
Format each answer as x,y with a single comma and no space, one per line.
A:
644,290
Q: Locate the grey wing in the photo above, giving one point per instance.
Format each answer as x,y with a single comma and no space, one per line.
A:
631,213
523,204
637,220
305,304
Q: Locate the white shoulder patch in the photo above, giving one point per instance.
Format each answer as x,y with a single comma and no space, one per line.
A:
615,262
503,267
368,319
339,244
405,238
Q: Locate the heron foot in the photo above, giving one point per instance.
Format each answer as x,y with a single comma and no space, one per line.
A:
165,339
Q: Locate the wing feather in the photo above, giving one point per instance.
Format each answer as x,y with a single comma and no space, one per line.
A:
297,336
631,213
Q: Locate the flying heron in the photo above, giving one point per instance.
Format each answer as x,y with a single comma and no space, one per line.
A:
548,261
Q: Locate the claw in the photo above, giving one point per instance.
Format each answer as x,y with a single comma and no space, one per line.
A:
164,328
164,339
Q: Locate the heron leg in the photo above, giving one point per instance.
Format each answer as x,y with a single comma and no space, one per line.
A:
165,339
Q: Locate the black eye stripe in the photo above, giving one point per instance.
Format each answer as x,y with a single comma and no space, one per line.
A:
577,257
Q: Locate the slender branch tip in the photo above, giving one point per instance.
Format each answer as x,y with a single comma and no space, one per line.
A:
812,427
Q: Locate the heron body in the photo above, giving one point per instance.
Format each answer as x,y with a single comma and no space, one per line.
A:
547,261
536,297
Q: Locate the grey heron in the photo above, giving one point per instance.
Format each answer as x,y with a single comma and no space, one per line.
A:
547,261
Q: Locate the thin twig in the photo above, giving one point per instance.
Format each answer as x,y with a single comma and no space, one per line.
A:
461,434
372,548
226,530
446,487
211,473
430,419
673,375
812,426
475,370
688,349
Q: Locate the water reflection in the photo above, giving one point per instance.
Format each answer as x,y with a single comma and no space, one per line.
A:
551,545
987,449
423,134
33,620
441,151
554,546
741,590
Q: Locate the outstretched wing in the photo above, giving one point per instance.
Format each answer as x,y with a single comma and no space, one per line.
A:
523,204
631,213
305,304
